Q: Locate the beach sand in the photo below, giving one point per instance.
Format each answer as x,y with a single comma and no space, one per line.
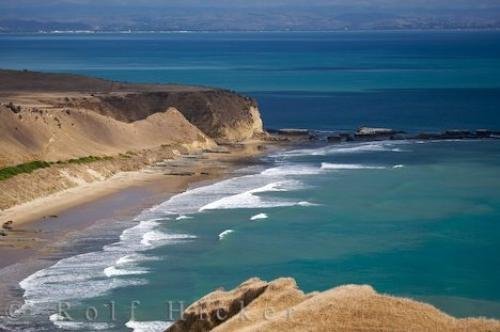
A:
41,225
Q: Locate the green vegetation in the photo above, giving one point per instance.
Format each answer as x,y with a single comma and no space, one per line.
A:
86,160
9,172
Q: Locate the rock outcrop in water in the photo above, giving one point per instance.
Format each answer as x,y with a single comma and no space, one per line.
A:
367,134
279,305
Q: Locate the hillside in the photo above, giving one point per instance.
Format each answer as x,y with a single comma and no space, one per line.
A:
56,116
60,121
280,305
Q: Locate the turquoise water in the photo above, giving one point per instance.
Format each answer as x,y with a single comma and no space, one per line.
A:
413,80
417,219
410,218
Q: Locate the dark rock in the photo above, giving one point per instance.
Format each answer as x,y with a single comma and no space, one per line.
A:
374,134
457,134
429,136
340,137
334,139
8,225
2,233
483,133
313,137
294,132
347,137
402,136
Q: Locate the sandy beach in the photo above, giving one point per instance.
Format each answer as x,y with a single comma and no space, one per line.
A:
40,226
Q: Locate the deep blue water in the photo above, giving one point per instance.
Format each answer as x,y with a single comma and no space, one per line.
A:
412,80
417,219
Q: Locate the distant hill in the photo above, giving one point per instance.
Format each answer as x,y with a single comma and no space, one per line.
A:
240,15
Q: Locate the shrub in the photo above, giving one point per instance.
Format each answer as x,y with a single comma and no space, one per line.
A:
11,171
88,159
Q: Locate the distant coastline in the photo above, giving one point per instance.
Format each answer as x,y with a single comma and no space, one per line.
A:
90,32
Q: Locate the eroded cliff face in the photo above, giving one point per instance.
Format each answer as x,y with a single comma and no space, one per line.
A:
59,134
221,115
56,118
280,305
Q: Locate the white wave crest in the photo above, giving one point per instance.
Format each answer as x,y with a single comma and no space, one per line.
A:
398,166
249,199
134,258
305,203
259,216
151,326
112,271
225,233
183,217
332,166
343,149
155,236
291,170
68,325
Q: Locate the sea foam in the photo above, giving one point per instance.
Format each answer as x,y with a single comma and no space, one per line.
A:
343,149
332,166
291,170
259,216
155,236
249,199
183,217
225,233
119,264
151,326
112,271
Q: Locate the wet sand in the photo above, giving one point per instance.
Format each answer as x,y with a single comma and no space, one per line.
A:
40,227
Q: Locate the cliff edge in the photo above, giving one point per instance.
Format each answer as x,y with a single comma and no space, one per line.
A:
220,114
80,129
280,305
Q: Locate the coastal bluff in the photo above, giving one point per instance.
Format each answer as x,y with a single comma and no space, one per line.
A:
280,305
38,109
58,131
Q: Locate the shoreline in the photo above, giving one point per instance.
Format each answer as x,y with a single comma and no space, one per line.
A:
42,225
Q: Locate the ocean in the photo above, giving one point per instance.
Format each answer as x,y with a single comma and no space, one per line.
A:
411,218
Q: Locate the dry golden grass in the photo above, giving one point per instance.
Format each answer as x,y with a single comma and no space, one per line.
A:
280,306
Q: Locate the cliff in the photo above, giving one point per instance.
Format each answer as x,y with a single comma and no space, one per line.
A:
59,116
220,114
279,305
62,121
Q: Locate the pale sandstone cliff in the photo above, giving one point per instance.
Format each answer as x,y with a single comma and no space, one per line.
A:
220,114
61,134
56,118
279,305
